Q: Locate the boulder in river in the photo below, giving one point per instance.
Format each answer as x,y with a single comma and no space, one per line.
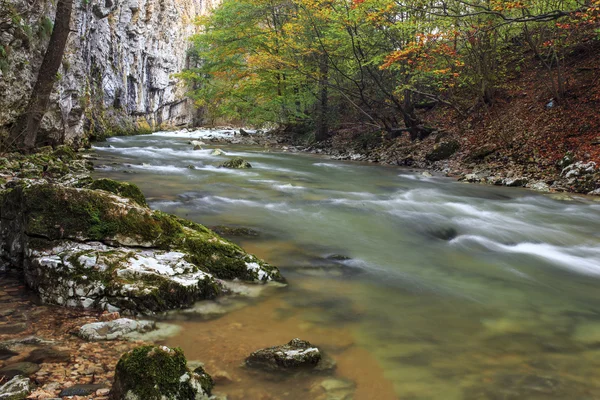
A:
236,163
217,152
157,373
89,248
293,356
581,177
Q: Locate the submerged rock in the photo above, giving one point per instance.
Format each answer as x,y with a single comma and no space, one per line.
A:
236,163
117,329
158,373
217,152
296,355
18,388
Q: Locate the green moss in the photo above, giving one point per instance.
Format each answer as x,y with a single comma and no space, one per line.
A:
205,379
65,153
153,373
236,163
163,295
123,189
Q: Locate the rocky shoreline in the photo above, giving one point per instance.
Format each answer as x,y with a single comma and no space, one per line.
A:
91,251
444,155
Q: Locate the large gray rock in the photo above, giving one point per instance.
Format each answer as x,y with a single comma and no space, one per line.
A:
93,249
18,388
158,373
117,329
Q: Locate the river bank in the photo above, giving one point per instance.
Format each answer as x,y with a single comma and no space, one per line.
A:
77,253
442,154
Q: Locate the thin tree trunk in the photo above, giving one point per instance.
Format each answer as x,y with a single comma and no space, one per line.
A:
323,117
24,132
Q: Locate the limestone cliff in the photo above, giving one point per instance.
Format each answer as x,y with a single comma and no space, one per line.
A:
117,72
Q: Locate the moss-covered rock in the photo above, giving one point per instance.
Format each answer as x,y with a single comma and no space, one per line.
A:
123,189
236,163
93,249
158,373
443,150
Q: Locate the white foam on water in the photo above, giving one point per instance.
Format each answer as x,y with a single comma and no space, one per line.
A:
201,133
586,260
160,168
329,165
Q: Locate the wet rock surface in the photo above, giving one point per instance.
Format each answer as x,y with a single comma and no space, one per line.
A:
291,357
98,246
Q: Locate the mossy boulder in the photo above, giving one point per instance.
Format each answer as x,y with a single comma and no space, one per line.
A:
236,163
123,189
158,373
443,150
93,249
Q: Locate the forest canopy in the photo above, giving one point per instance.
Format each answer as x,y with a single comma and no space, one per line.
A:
320,64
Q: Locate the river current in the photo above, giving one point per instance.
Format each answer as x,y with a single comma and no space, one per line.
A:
419,287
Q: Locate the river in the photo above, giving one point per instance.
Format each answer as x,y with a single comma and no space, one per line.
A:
419,287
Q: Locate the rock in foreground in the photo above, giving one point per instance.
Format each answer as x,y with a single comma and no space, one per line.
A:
158,373
116,329
296,355
18,388
94,248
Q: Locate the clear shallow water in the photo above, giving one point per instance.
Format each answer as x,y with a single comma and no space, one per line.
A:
451,290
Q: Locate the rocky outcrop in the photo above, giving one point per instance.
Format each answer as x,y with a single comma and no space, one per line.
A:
117,72
158,373
96,244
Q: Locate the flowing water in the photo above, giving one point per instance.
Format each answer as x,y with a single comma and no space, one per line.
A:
419,287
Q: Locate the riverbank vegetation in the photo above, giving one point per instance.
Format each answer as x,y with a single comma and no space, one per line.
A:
513,75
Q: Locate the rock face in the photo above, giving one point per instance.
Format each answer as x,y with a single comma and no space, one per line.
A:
90,248
117,72
158,373
296,355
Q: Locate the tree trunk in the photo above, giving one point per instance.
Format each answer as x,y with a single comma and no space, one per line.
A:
24,132
322,132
